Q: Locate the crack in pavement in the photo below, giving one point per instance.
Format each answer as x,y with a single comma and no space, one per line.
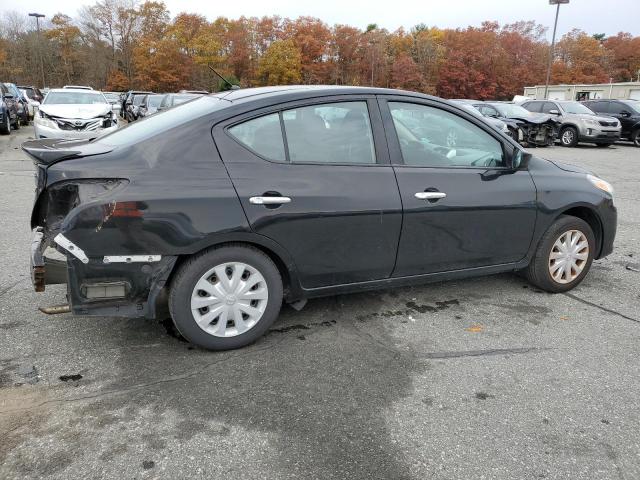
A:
600,307
482,353
6,289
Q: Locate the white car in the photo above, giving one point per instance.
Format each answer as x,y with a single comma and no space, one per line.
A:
32,105
74,114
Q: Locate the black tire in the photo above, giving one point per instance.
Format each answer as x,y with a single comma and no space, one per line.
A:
635,137
6,128
537,271
193,269
16,126
569,137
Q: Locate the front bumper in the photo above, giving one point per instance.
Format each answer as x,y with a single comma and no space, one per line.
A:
599,134
48,132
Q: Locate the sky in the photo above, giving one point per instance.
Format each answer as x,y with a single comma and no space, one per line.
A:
593,16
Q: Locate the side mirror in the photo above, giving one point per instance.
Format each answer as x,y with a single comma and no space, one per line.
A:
554,112
520,159
625,113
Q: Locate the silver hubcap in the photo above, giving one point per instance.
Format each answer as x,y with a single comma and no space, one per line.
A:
567,137
568,256
229,299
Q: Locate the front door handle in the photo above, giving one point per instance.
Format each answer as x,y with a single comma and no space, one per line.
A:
269,200
430,195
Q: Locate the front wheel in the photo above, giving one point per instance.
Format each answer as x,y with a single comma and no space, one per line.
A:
568,137
564,255
226,297
635,137
6,126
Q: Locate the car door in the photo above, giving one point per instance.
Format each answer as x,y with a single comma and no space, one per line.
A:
338,211
620,111
464,207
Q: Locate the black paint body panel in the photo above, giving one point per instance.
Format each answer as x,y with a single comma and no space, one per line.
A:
348,227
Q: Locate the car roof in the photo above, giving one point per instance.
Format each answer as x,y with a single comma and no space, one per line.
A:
308,91
67,90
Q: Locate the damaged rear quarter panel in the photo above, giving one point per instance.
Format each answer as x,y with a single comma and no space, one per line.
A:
174,197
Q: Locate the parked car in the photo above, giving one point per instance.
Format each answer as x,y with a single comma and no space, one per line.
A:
285,204
114,99
32,105
494,122
74,114
8,111
133,107
578,123
173,99
149,105
21,103
127,99
78,87
33,93
534,129
626,111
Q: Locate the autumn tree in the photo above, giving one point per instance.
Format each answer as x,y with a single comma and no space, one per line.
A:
65,37
281,64
625,56
580,58
405,74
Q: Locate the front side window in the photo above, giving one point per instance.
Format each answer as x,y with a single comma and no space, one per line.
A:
548,106
533,106
330,133
262,135
431,137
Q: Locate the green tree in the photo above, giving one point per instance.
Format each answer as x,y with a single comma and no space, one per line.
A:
281,64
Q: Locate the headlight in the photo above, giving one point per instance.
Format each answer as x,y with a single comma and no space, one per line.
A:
600,184
45,120
590,121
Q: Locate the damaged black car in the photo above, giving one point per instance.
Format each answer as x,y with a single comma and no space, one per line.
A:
223,207
527,128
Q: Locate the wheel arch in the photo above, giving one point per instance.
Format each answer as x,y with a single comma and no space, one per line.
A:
280,257
590,216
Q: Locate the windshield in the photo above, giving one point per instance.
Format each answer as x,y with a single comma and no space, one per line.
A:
510,110
633,104
154,100
74,98
162,121
576,108
112,97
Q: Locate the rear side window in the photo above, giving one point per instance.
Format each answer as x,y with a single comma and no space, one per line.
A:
337,133
262,135
330,133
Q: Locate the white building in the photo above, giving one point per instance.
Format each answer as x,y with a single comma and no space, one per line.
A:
622,90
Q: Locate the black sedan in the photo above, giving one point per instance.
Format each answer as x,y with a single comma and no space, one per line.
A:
233,202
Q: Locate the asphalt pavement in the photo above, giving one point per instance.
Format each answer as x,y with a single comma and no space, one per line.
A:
479,379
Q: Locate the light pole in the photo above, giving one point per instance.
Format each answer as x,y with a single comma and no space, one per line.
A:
38,16
553,43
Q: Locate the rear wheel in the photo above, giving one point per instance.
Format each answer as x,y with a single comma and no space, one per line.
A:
226,297
568,137
564,255
16,125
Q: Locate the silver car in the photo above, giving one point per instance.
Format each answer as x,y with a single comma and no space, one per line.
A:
579,123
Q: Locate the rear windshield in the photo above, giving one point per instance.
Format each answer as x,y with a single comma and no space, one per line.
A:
161,122
74,98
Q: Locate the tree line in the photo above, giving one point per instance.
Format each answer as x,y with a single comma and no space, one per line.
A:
122,44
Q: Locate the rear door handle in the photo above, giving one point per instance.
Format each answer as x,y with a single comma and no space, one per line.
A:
269,200
430,195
